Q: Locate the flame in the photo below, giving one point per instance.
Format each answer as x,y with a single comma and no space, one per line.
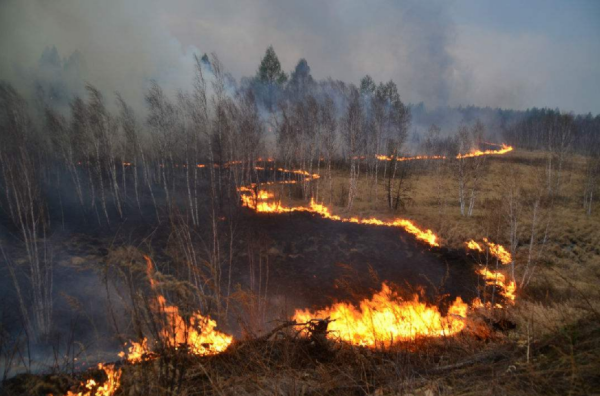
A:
136,352
385,318
499,252
108,388
495,250
264,194
381,320
417,157
477,153
197,334
257,200
250,201
494,278
474,246
308,175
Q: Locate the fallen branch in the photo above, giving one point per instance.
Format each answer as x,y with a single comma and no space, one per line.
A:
482,357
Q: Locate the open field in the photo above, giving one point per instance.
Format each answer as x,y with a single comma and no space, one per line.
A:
554,347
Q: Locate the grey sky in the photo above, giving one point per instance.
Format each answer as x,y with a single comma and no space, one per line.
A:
513,54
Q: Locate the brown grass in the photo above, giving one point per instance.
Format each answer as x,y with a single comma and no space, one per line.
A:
555,348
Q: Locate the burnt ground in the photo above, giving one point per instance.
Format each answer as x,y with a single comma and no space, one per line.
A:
312,262
315,261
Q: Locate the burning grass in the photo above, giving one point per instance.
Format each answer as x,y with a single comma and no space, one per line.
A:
386,344
385,319
556,364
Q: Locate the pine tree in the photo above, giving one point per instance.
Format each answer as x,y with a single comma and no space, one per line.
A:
270,77
367,85
300,80
269,71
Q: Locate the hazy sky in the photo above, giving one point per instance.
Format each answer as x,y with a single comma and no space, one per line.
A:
512,54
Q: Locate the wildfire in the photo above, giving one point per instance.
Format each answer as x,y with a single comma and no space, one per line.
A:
136,352
417,157
108,388
385,318
258,200
264,194
474,246
495,250
499,251
477,153
197,334
250,201
308,175
497,279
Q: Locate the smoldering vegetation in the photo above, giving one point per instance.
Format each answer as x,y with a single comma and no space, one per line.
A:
89,186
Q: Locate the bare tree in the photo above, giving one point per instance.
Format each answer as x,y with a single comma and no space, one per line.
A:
352,134
328,142
398,122
469,169
22,200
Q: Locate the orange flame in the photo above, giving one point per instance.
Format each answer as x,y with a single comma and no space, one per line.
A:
198,334
507,289
494,278
496,250
417,157
499,252
308,175
136,352
251,202
477,153
385,318
474,246
256,200
108,388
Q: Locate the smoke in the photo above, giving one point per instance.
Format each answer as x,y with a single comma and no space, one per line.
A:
405,41
433,53
121,46
116,46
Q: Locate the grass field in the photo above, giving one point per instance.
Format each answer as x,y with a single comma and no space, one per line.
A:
554,348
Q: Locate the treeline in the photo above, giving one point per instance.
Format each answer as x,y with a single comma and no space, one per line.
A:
112,160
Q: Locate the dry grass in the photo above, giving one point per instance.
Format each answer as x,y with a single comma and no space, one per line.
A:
555,348
562,362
